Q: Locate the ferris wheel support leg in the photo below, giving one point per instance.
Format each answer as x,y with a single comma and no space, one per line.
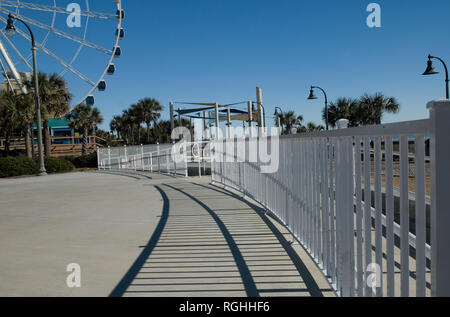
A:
12,67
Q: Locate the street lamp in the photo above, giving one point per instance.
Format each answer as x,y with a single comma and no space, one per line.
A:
10,31
277,114
431,71
312,96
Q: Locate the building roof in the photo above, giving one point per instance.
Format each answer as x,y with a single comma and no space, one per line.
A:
56,123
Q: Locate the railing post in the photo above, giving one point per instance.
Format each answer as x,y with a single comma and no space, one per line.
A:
142,157
126,157
185,159
109,156
159,158
98,158
440,199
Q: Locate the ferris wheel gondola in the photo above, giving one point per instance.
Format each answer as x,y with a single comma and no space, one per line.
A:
71,38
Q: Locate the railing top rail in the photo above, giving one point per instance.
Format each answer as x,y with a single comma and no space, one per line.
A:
415,127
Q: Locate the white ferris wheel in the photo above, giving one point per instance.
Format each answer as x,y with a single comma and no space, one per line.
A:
76,39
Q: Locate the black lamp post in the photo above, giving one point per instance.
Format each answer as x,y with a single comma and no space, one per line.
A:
431,71
312,96
10,31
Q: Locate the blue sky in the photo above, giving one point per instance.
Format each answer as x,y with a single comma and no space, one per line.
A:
214,50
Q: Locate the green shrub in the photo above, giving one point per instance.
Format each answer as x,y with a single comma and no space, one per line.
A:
13,153
20,165
86,161
71,159
17,166
58,165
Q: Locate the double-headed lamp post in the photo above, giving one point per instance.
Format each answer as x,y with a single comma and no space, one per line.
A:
10,31
312,96
431,71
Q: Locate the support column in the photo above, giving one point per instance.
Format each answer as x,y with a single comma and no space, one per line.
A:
205,127
228,122
191,130
217,121
261,122
250,118
172,120
180,122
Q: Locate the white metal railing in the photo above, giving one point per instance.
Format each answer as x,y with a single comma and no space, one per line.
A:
320,192
156,158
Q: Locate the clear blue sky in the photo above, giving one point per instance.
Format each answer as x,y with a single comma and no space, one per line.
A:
211,50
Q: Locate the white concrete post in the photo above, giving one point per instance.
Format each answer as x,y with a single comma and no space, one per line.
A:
342,124
440,198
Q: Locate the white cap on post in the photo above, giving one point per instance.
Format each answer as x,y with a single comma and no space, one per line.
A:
342,124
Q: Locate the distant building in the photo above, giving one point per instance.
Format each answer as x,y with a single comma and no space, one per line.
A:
59,128
10,81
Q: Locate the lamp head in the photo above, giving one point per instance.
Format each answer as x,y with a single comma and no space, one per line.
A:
430,68
10,28
312,96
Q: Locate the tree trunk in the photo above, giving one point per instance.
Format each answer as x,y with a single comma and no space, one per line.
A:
85,139
139,134
32,138
47,139
28,147
7,143
148,133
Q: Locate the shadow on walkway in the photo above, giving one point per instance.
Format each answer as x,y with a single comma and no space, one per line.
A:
210,242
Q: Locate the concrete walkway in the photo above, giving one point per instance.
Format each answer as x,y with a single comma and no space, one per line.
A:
140,234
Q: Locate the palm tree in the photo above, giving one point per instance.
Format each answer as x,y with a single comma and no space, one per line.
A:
149,110
16,112
84,117
116,125
55,97
9,116
289,120
25,107
343,108
311,127
373,107
129,120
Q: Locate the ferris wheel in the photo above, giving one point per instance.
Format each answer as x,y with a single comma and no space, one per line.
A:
76,39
